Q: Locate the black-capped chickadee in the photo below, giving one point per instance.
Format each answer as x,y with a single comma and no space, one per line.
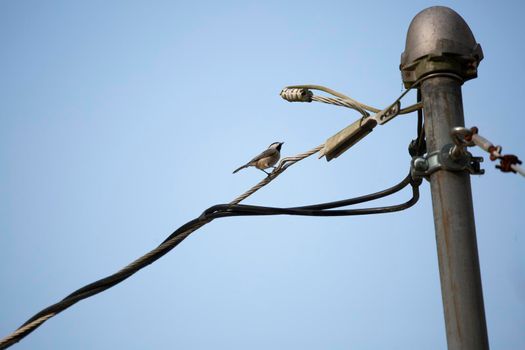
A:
266,159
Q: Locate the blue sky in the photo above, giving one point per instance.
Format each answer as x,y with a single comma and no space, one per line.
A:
122,120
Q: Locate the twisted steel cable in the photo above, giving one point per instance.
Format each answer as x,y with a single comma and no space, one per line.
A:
171,242
302,93
284,164
184,231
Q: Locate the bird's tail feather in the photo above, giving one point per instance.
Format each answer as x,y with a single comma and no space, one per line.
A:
240,168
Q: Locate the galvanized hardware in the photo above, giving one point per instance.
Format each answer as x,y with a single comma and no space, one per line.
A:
349,136
439,40
462,138
296,94
346,138
424,166
388,113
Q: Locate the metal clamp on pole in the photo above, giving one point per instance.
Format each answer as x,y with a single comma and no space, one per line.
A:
445,159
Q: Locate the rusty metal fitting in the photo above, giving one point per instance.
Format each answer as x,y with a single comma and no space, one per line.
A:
494,152
506,163
473,131
462,138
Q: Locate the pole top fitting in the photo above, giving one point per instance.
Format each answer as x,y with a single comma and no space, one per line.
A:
439,40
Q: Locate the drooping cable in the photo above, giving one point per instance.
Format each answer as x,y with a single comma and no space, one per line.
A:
234,209
322,208
171,242
218,211
240,209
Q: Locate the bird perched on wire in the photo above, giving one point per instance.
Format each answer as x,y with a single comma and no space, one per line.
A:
266,159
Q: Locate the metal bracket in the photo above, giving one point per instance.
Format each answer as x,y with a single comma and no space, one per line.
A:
445,159
388,113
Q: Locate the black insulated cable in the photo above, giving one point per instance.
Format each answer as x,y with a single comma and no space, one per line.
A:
418,146
215,212
242,209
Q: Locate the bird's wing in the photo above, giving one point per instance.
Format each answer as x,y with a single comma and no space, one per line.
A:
269,152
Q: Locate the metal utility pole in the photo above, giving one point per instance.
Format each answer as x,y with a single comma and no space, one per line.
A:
440,54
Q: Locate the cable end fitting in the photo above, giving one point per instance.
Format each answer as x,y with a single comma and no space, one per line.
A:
346,138
296,94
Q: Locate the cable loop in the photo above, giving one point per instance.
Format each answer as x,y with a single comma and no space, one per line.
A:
292,94
339,99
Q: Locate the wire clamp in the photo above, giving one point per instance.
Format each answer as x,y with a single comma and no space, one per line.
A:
445,159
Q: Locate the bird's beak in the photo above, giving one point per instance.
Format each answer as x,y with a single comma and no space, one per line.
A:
282,143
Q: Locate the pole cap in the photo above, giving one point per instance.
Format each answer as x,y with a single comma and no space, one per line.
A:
439,40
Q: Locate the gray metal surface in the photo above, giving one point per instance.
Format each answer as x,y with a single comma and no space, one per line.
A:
440,54
454,222
437,31
439,40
